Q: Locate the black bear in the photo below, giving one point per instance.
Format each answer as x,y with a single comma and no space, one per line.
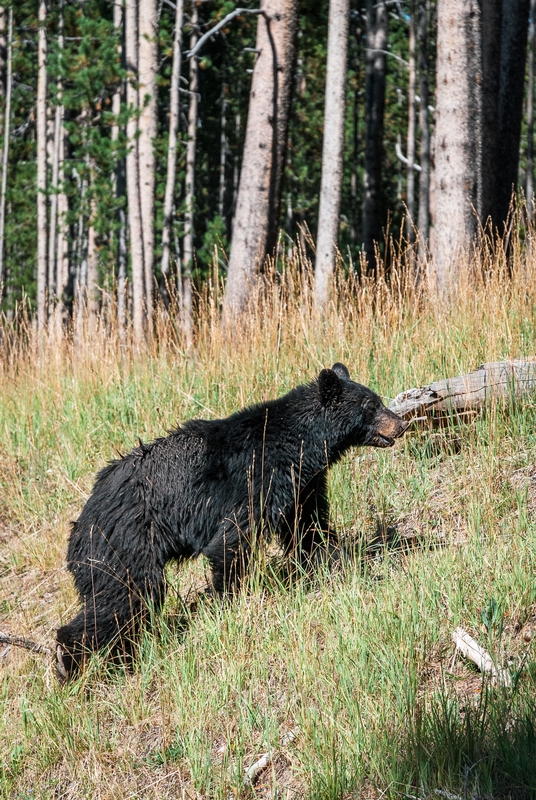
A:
210,488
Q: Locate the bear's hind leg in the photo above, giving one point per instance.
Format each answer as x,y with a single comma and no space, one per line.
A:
110,617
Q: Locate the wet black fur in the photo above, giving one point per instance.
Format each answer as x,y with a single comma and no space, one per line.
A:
207,488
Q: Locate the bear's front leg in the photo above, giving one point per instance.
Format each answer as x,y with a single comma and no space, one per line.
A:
228,553
306,533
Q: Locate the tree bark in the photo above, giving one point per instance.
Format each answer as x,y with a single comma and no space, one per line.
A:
62,248
491,77
188,247
3,62
356,47
54,197
223,142
236,157
42,169
513,55
148,68
332,149
61,256
92,285
172,141
412,123
376,39
424,150
259,193
5,149
139,302
529,184
120,181
457,133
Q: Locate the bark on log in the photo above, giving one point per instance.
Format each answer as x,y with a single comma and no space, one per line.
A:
462,397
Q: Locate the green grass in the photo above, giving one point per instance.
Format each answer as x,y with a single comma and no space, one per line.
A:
358,664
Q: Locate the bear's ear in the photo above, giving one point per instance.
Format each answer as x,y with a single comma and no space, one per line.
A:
341,370
330,386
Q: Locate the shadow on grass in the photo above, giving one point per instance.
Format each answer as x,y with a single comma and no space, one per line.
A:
456,749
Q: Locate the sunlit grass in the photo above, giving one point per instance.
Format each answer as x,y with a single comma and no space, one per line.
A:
357,664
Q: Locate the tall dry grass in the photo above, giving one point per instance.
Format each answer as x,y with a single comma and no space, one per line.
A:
359,664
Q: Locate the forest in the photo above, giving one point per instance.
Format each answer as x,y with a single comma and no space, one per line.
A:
206,208
131,134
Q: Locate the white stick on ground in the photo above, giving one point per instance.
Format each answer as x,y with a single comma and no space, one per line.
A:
267,758
472,650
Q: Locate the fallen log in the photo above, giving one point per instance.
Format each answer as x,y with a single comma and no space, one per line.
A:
461,398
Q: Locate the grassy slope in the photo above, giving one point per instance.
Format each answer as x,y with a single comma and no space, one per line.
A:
358,666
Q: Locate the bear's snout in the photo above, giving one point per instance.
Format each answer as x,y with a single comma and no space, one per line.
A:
389,426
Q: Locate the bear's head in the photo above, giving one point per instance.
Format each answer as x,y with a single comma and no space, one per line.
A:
355,415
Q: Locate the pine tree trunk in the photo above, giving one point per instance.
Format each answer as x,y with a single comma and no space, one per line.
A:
332,150
92,263
412,122
5,149
259,193
120,185
42,170
529,185
148,68
92,280
174,111
60,256
236,156
56,151
223,143
374,113
3,63
62,247
457,134
424,150
139,307
513,55
188,247
491,76
356,39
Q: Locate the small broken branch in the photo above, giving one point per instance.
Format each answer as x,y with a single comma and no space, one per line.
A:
464,396
388,53
27,644
266,759
470,648
401,157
